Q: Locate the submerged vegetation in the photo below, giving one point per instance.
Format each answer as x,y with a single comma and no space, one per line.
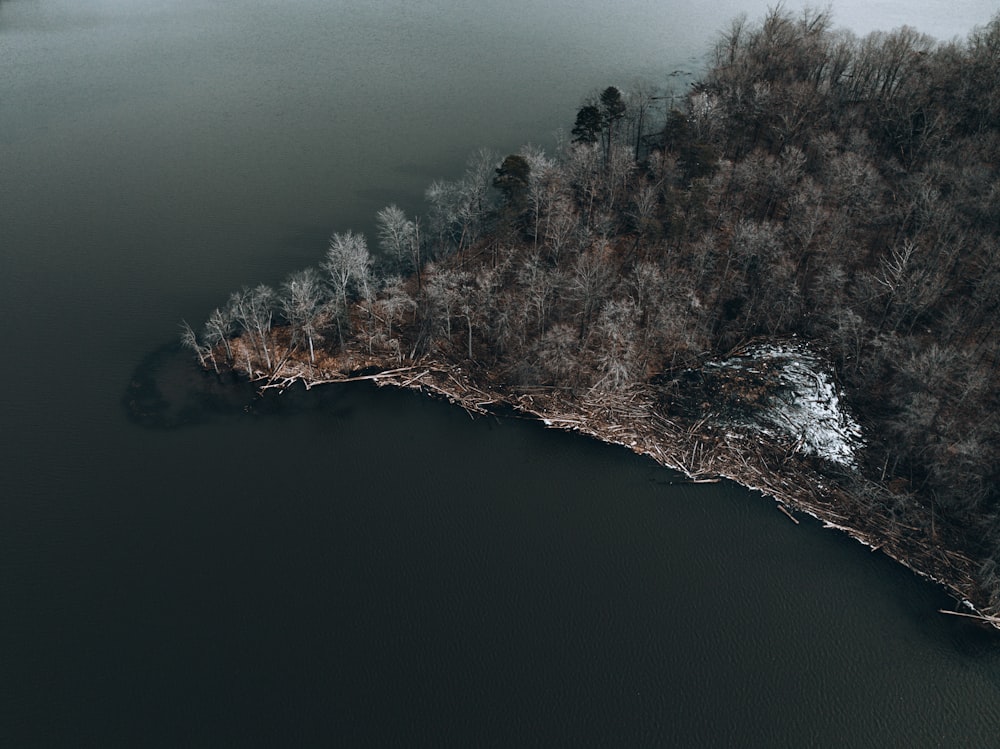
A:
818,208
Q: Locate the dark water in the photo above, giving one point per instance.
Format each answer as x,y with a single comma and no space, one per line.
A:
358,567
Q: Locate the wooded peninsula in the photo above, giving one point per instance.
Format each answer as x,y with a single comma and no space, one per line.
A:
788,275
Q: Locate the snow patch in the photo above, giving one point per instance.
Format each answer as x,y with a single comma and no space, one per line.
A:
806,405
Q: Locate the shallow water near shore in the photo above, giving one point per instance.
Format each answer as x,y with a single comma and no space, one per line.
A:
360,566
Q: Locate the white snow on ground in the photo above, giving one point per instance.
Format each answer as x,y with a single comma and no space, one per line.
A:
808,406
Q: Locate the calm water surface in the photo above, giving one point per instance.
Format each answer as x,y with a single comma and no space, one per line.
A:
361,567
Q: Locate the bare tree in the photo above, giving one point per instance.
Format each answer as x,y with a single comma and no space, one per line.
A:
348,267
539,283
639,108
562,223
642,211
393,304
615,334
253,311
589,283
399,238
190,340
459,209
218,328
583,168
557,354
540,190
302,297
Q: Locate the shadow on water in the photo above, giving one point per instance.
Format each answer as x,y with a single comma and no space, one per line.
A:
973,640
168,390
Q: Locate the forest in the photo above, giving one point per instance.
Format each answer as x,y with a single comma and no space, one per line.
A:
815,187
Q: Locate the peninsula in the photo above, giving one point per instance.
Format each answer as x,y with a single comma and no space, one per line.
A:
790,278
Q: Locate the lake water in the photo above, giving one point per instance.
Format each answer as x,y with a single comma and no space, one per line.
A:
357,567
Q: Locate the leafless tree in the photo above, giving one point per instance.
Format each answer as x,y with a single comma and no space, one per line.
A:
253,311
302,297
218,328
348,266
190,340
399,238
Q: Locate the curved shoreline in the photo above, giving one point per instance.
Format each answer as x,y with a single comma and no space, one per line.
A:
696,449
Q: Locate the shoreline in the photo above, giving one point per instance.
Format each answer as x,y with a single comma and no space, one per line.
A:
697,450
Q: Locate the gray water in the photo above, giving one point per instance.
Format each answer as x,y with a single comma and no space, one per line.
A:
360,567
